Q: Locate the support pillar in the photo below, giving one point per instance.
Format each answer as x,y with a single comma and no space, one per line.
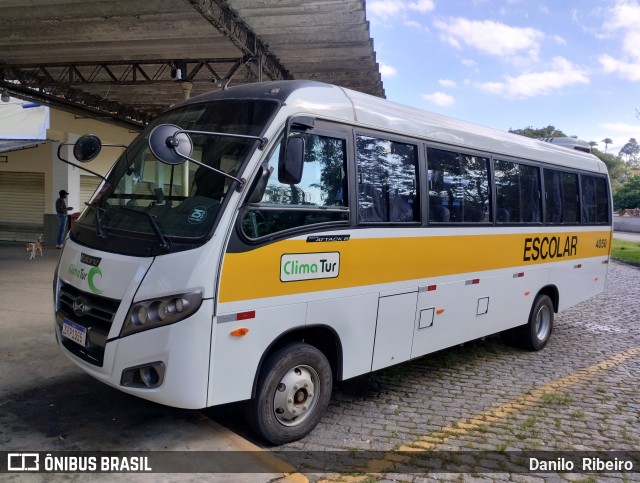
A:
186,87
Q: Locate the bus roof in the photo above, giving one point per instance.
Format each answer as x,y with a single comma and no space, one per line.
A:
326,101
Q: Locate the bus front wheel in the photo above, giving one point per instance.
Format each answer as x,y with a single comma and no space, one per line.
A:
293,393
536,333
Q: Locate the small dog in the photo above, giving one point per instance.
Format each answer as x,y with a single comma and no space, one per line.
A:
33,247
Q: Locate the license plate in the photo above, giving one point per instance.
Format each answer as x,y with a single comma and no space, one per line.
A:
74,332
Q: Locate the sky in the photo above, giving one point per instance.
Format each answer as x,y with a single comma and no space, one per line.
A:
18,122
510,64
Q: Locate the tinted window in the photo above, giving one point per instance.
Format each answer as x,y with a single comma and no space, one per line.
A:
458,187
320,197
517,192
561,197
595,200
387,174
570,203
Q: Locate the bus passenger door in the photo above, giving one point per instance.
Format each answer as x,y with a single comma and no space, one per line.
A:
394,329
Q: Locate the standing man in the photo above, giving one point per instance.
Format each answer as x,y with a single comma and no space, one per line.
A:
61,213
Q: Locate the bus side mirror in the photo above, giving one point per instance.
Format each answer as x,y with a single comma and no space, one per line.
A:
87,148
260,184
291,160
169,144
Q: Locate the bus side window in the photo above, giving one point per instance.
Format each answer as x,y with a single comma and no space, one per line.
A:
561,197
518,191
570,202
458,187
553,196
595,200
387,181
320,197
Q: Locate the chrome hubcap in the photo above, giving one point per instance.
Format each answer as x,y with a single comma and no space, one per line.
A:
543,323
295,396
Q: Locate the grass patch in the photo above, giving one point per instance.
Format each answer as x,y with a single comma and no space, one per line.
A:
626,436
529,423
579,415
626,251
559,398
502,447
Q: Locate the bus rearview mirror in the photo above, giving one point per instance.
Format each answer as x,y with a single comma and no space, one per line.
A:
87,148
169,144
291,161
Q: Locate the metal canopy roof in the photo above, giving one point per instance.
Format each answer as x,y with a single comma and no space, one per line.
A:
8,145
127,60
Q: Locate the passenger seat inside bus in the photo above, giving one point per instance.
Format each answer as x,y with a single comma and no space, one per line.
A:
472,214
439,213
401,209
376,211
503,216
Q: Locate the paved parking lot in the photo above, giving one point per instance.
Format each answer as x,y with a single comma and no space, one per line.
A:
581,393
466,404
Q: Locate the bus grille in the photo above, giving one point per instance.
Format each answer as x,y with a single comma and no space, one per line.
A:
96,317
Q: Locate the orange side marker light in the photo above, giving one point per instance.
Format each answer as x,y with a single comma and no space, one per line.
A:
439,311
239,332
528,292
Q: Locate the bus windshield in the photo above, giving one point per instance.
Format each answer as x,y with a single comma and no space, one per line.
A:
143,196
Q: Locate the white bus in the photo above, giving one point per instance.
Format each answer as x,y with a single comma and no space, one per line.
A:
260,242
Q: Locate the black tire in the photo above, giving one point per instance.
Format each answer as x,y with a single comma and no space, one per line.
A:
536,333
293,392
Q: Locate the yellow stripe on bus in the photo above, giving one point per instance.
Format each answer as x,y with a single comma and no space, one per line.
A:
368,261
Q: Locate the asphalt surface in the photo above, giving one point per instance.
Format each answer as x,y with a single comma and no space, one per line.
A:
627,236
473,406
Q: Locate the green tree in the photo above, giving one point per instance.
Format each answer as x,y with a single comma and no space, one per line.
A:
628,195
615,166
545,132
606,142
631,150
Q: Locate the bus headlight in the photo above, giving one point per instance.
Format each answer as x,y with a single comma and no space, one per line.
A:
149,314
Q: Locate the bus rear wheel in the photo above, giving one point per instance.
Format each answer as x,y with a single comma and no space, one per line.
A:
536,333
294,389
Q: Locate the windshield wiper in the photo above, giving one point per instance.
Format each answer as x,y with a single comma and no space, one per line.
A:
165,244
99,228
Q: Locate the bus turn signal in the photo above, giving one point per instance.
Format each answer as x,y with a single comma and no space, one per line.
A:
239,332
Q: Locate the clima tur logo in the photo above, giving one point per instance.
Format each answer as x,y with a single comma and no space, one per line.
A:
89,276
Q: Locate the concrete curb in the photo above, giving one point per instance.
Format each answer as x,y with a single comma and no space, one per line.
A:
230,441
